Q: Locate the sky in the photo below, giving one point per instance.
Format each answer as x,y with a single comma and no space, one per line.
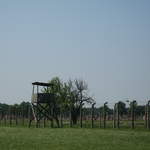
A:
104,42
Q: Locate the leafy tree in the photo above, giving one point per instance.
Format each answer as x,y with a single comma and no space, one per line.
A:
69,96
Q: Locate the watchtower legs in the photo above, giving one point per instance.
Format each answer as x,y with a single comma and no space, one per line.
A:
40,112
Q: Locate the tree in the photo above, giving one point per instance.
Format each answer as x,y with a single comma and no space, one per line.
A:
57,101
69,96
77,97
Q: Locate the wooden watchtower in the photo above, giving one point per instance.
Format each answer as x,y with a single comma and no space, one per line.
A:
41,103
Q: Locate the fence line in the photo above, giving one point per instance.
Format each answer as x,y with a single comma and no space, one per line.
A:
88,117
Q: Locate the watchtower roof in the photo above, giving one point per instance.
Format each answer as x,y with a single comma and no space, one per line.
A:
42,84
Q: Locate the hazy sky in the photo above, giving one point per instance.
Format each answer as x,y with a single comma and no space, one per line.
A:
104,42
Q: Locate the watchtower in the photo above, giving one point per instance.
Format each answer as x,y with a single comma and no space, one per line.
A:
41,103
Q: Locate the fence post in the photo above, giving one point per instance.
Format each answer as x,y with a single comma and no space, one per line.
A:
0,116
105,114
16,116
10,116
148,115
22,115
81,114
146,107
118,117
114,116
29,115
100,118
92,115
52,121
70,116
5,122
61,119
133,114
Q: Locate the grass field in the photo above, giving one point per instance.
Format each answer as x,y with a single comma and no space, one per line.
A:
12,138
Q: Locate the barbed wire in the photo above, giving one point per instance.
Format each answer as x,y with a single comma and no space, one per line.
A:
113,102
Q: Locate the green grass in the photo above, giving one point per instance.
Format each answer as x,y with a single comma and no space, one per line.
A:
73,139
66,123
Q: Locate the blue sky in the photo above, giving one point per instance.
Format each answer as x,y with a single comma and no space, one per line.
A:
104,42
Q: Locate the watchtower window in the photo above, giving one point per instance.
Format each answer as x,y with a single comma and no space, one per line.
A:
38,97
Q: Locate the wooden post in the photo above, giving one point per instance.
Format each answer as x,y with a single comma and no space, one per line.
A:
16,116
81,114
5,121
10,116
70,116
92,116
29,116
61,119
148,115
100,118
0,116
133,114
146,106
128,112
114,117
118,117
22,115
104,114
37,113
52,122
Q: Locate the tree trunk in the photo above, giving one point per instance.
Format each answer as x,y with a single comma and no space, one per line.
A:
75,114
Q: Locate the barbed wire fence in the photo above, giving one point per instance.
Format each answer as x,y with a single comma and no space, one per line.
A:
93,116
